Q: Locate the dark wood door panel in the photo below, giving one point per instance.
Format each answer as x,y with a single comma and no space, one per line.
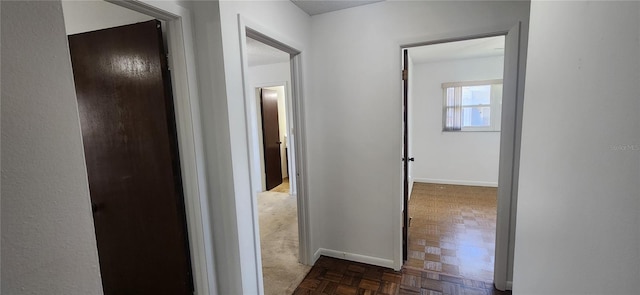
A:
271,137
405,154
128,128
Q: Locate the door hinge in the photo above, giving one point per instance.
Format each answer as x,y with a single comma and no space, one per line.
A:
405,75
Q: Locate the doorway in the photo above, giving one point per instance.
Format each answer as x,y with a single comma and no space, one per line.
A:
455,105
467,237
273,139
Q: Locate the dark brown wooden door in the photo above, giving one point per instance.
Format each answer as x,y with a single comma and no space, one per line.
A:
405,154
128,130
271,138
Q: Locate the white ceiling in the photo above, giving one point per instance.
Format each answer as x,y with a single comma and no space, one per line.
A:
259,54
483,47
313,7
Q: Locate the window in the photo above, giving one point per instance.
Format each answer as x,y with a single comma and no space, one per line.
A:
472,106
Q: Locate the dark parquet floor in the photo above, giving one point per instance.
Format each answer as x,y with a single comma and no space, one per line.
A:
342,277
451,244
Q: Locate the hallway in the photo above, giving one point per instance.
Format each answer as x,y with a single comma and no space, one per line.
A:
279,241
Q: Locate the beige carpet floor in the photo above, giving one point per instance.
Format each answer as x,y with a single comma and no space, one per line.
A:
283,187
279,242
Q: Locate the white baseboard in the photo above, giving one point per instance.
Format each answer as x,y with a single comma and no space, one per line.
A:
353,257
456,182
509,285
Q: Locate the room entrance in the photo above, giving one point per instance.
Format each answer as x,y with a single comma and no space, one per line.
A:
455,101
459,115
271,82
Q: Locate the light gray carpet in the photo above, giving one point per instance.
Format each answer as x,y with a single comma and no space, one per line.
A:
279,242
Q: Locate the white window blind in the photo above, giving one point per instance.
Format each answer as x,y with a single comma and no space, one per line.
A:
472,106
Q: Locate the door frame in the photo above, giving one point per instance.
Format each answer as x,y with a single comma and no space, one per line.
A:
510,136
247,28
181,59
287,101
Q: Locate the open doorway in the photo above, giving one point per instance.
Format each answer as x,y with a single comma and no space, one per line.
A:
460,98
269,76
455,104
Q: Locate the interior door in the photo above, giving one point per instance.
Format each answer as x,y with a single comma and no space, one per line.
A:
405,154
129,136
271,138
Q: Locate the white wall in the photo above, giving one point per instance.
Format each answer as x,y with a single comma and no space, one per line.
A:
578,223
225,126
90,15
48,240
271,75
467,158
354,114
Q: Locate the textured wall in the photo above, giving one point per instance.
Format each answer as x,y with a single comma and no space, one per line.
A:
579,198
48,240
87,16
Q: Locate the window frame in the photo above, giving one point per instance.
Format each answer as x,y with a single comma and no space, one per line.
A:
495,106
